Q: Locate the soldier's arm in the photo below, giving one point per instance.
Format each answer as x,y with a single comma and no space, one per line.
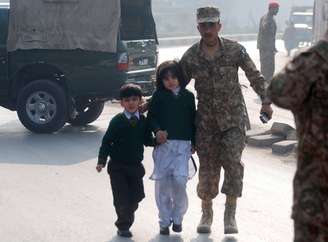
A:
292,86
253,75
186,69
193,118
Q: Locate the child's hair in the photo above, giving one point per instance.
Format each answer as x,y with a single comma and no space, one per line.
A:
169,67
129,90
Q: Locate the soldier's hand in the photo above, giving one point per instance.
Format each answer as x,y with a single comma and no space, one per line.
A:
161,136
266,108
99,167
143,107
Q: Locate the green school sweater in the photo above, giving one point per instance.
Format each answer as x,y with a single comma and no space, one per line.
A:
124,142
173,113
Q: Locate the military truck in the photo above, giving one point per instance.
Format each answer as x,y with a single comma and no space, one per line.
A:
60,60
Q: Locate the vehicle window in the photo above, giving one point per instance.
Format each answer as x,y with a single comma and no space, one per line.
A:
137,21
302,19
3,26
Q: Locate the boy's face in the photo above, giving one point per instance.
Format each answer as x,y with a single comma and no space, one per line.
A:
131,104
170,82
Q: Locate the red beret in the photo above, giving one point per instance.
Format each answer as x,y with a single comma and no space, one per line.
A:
273,5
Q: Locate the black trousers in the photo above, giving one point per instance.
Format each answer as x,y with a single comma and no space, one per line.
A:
128,191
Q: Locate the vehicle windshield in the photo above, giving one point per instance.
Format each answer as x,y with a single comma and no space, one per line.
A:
137,21
302,19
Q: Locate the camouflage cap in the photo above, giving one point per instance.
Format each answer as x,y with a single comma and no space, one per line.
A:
208,14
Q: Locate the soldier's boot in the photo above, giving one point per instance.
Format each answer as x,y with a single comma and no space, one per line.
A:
206,220
230,225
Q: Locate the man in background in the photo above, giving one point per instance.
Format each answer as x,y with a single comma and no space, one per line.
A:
266,42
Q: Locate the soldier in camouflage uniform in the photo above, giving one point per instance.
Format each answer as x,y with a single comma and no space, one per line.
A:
266,42
302,87
220,121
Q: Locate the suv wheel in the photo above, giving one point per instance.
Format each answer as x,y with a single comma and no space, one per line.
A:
87,112
42,106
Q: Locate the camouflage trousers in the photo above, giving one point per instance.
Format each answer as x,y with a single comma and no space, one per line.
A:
310,208
215,150
309,233
267,60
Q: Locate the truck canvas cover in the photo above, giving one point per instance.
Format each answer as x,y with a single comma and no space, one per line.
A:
64,24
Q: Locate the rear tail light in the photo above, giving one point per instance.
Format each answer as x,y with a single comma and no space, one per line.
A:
123,62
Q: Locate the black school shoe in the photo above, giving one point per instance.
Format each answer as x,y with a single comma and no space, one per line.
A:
164,231
124,233
177,228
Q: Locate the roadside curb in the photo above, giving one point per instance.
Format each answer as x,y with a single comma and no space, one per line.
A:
280,137
284,147
265,140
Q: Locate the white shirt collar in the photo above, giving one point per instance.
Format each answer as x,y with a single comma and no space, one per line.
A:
176,91
128,115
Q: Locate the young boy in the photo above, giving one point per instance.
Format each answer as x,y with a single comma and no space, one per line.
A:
124,142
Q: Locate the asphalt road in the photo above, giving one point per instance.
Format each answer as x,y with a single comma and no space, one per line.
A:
50,190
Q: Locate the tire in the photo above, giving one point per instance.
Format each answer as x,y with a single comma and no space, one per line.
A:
42,106
87,113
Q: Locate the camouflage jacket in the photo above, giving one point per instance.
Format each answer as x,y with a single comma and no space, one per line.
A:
302,87
266,38
216,82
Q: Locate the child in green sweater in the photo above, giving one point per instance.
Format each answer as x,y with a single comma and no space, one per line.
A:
171,116
124,142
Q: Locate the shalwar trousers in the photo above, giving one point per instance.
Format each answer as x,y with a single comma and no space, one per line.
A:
171,199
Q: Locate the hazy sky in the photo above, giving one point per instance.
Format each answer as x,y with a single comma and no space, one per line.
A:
239,11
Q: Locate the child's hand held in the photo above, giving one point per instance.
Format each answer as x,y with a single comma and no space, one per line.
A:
161,136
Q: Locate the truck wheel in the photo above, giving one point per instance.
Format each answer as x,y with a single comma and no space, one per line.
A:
42,106
87,113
